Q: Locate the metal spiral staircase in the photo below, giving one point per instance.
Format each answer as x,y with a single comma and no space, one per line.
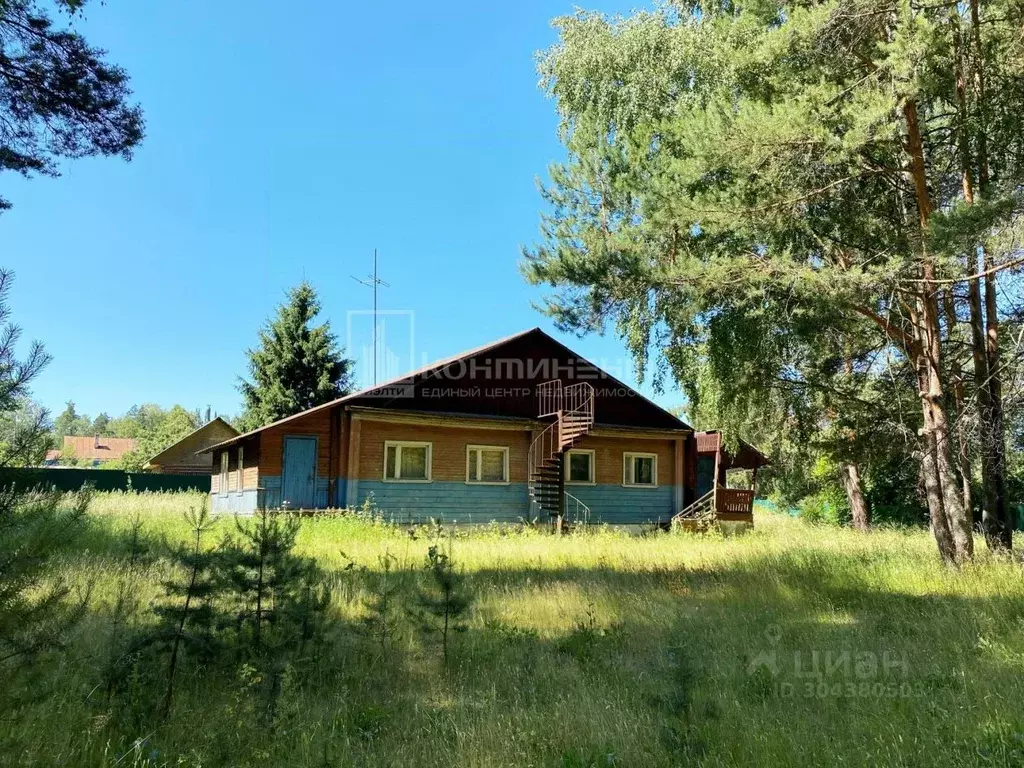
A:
572,407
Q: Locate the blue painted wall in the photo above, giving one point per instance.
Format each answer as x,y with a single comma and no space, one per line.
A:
268,495
618,505
459,502
455,501
272,487
449,501
232,501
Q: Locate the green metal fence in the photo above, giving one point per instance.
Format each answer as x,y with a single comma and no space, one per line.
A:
101,480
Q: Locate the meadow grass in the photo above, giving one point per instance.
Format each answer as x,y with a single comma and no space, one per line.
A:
789,645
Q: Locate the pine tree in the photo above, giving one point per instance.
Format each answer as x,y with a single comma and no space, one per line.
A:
187,618
59,97
278,594
297,365
442,606
126,641
382,605
36,610
281,599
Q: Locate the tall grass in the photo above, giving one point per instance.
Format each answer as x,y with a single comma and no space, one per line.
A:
791,645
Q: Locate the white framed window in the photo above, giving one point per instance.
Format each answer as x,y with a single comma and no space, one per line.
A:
407,462
579,467
240,486
222,486
487,464
640,469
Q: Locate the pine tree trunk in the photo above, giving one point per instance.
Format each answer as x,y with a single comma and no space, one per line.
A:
998,531
855,496
959,409
933,494
936,424
984,341
987,438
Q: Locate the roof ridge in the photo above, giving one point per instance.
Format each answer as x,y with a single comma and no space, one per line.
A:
398,379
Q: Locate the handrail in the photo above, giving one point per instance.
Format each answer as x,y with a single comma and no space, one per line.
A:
549,398
542,447
694,508
577,507
719,499
578,409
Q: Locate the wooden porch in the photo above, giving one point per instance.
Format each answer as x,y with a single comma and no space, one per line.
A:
716,501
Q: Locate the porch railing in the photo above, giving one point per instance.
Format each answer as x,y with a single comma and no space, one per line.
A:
734,500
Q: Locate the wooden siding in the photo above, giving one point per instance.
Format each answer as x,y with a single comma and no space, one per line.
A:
708,442
183,456
250,467
608,460
448,452
317,423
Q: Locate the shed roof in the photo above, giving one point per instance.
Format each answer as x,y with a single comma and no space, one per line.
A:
746,457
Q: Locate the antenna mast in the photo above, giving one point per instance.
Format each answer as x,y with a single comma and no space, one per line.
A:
372,281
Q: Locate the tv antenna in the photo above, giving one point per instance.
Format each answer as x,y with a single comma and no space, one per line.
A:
372,281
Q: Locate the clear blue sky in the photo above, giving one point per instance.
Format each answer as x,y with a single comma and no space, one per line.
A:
287,141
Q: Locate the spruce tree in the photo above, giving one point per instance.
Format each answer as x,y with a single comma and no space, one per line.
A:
297,365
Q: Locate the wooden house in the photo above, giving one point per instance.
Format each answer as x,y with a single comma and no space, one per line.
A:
518,429
189,456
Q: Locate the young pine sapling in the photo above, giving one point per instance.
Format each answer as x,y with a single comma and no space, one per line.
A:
444,605
383,603
187,617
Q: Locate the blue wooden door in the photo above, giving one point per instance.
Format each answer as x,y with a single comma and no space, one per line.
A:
298,484
705,474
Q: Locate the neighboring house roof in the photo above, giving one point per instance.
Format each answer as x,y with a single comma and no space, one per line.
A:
94,448
372,395
746,457
189,451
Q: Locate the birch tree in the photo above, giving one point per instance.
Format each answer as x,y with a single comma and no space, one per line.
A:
725,157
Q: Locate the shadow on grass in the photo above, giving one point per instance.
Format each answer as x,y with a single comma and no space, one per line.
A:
751,662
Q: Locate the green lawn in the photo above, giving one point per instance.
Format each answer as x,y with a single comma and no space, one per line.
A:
791,645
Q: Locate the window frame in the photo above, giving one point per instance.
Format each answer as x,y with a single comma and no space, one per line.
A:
479,461
593,466
398,445
240,485
225,470
627,456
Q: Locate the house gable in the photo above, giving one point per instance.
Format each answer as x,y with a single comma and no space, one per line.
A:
501,380
187,453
